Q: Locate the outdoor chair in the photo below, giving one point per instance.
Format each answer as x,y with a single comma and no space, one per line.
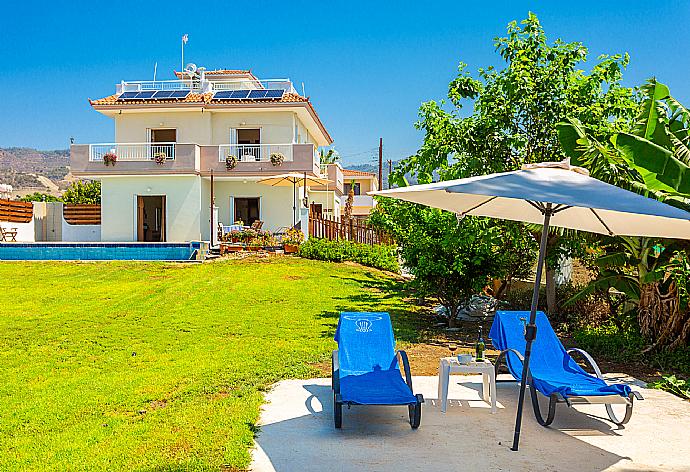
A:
366,367
8,235
552,371
256,225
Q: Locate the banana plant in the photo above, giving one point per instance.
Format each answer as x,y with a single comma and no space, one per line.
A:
656,153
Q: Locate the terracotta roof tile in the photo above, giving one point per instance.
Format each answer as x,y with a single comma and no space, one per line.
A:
358,173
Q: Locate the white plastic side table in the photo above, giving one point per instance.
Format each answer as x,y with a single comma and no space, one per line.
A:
450,365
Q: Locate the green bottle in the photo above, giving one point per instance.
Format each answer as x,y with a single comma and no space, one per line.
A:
479,350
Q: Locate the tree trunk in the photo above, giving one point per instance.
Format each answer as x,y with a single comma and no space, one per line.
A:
661,318
551,291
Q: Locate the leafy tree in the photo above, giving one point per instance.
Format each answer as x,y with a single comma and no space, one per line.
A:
516,110
39,197
450,259
329,156
83,192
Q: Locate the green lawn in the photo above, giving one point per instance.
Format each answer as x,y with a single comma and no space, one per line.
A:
155,366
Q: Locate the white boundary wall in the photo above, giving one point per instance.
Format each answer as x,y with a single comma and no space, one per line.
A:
80,233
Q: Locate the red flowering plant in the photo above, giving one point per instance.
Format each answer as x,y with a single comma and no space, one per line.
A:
109,158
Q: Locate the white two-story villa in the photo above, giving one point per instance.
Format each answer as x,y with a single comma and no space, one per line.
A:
172,141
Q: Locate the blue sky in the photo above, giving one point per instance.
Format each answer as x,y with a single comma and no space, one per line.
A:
367,66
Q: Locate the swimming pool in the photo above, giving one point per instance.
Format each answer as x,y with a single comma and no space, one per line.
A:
99,251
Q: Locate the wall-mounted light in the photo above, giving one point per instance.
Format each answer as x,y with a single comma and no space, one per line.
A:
148,189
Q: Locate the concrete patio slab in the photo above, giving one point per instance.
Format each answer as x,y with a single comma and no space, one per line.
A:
297,433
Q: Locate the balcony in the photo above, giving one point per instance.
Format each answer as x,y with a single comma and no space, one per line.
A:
255,159
134,159
359,201
86,160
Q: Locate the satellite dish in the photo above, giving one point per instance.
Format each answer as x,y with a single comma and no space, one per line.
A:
190,68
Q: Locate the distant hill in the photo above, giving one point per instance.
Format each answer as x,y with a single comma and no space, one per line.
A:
22,167
374,168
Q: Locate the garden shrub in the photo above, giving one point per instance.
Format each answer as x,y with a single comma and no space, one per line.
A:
627,346
377,256
590,310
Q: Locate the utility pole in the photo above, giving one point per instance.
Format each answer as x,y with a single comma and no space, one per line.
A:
390,171
380,163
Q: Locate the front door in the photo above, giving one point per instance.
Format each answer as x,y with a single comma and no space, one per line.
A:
151,218
246,210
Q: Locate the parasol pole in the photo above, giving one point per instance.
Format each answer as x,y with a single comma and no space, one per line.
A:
531,327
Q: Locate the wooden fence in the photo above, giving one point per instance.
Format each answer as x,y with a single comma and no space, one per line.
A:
82,214
323,226
16,212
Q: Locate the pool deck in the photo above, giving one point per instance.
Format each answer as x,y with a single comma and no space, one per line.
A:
297,433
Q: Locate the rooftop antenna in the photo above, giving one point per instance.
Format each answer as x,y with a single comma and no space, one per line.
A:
155,69
190,69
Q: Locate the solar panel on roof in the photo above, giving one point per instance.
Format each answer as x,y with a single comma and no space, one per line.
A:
257,94
274,93
146,95
127,95
179,94
223,94
239,94
161,94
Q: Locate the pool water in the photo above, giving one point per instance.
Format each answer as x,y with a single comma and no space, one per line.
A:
99,251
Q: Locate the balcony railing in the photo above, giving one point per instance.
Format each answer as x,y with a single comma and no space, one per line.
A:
197,85
359,201
254,152
132,151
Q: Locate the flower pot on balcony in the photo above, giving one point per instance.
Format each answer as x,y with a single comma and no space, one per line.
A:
109,158
230,162
277,158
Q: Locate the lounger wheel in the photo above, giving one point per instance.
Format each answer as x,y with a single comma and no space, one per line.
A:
626,416
415,411
337,412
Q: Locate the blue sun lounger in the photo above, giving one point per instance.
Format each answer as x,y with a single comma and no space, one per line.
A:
365,367
552,372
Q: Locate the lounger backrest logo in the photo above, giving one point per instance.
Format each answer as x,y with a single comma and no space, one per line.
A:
363,325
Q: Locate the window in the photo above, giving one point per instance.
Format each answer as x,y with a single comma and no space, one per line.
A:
246,210
163,135
355,187
248,136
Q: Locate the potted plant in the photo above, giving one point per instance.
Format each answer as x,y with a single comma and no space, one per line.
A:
277,158
235,236
160,158
109,158
291,241
230,162
256,243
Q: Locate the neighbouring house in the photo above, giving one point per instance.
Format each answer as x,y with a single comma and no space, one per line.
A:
171,146
360,183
